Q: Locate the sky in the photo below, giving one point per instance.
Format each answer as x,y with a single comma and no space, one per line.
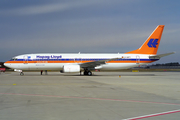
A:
87,26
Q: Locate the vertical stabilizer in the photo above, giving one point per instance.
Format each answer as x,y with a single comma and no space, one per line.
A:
151,44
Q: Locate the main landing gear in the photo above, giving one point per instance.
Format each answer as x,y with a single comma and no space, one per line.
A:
87,72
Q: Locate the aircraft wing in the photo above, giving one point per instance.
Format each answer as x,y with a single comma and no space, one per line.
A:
159,56
96,63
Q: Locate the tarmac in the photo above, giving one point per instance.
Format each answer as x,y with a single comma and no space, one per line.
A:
103,96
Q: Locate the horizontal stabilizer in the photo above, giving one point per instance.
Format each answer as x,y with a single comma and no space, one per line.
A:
159,56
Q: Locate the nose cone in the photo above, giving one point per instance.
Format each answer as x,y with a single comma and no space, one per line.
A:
7,64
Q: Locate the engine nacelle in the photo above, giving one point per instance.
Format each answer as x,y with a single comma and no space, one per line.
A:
71,68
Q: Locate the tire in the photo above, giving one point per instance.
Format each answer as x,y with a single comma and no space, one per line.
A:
21,73
89,73
85,73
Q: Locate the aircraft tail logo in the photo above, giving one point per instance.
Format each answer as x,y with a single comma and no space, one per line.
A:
151,44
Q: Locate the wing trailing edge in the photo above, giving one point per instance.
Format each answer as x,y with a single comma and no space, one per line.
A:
96,63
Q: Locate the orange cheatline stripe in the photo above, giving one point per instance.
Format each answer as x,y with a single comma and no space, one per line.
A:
125,61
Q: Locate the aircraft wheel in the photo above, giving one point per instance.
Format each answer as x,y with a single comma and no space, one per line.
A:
89,73
85,73
21,73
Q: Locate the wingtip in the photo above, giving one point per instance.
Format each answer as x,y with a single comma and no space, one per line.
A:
173,52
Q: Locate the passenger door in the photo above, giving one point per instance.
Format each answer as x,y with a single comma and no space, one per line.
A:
25,59
137,59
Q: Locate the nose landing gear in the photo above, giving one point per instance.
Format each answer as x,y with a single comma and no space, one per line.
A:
21,73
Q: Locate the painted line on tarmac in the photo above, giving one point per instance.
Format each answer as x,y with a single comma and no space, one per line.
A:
153,115
103,99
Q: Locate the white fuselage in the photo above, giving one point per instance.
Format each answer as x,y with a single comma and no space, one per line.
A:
56,61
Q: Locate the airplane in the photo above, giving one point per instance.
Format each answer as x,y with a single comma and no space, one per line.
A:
78,62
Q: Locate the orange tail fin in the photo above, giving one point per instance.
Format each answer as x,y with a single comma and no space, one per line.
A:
151,44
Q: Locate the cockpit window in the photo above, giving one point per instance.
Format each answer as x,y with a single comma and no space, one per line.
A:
14,59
